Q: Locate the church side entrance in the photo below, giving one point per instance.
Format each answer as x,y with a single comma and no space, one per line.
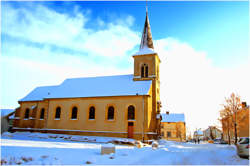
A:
130,129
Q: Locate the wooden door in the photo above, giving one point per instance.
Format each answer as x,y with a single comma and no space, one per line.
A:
130,129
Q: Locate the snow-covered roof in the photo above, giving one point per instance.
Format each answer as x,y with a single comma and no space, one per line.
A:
144,51
173,117
120,85
5,112
38,93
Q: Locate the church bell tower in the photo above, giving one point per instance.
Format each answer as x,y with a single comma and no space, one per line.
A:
146,67
146,60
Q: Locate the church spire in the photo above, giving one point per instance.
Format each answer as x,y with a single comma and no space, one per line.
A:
146,40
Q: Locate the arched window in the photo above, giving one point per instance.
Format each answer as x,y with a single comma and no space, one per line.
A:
111,113
58,113
27,112
131,112
74,113
144,70
42,113
92,112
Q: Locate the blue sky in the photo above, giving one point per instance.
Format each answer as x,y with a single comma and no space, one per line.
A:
201,45
219,28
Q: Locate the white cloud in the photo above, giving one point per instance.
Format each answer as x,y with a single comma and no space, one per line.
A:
191,84
21,75
42,25
34,61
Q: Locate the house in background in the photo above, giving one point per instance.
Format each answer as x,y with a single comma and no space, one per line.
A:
242,118
7,117
114,106
173,126
211,133
198,134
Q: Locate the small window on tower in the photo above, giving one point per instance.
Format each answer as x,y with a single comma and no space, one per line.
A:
142,71
146,71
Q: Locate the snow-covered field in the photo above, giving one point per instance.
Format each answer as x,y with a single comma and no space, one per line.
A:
57,149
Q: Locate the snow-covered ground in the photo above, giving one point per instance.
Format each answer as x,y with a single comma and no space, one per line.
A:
38,148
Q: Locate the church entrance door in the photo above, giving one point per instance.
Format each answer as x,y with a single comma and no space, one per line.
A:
130,129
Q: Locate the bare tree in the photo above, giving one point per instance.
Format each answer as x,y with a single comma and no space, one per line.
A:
229,113
234,104
225,115
178,131
212,136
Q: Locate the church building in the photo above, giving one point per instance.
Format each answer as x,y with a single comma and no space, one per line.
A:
125,106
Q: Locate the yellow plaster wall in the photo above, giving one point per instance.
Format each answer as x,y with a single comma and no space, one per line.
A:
34,115
39,123
119,124
173,127
25,123
153,62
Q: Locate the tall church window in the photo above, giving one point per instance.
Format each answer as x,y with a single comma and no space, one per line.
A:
27,112
58,113
131,112
42,113
144,70
92,112
74,113
111,113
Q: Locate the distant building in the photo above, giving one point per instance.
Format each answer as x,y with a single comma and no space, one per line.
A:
198,134
7,116
173,126
115,106
211,133
242,118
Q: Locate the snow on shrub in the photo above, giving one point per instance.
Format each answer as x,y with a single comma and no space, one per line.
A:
6,134
138,144
155,145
